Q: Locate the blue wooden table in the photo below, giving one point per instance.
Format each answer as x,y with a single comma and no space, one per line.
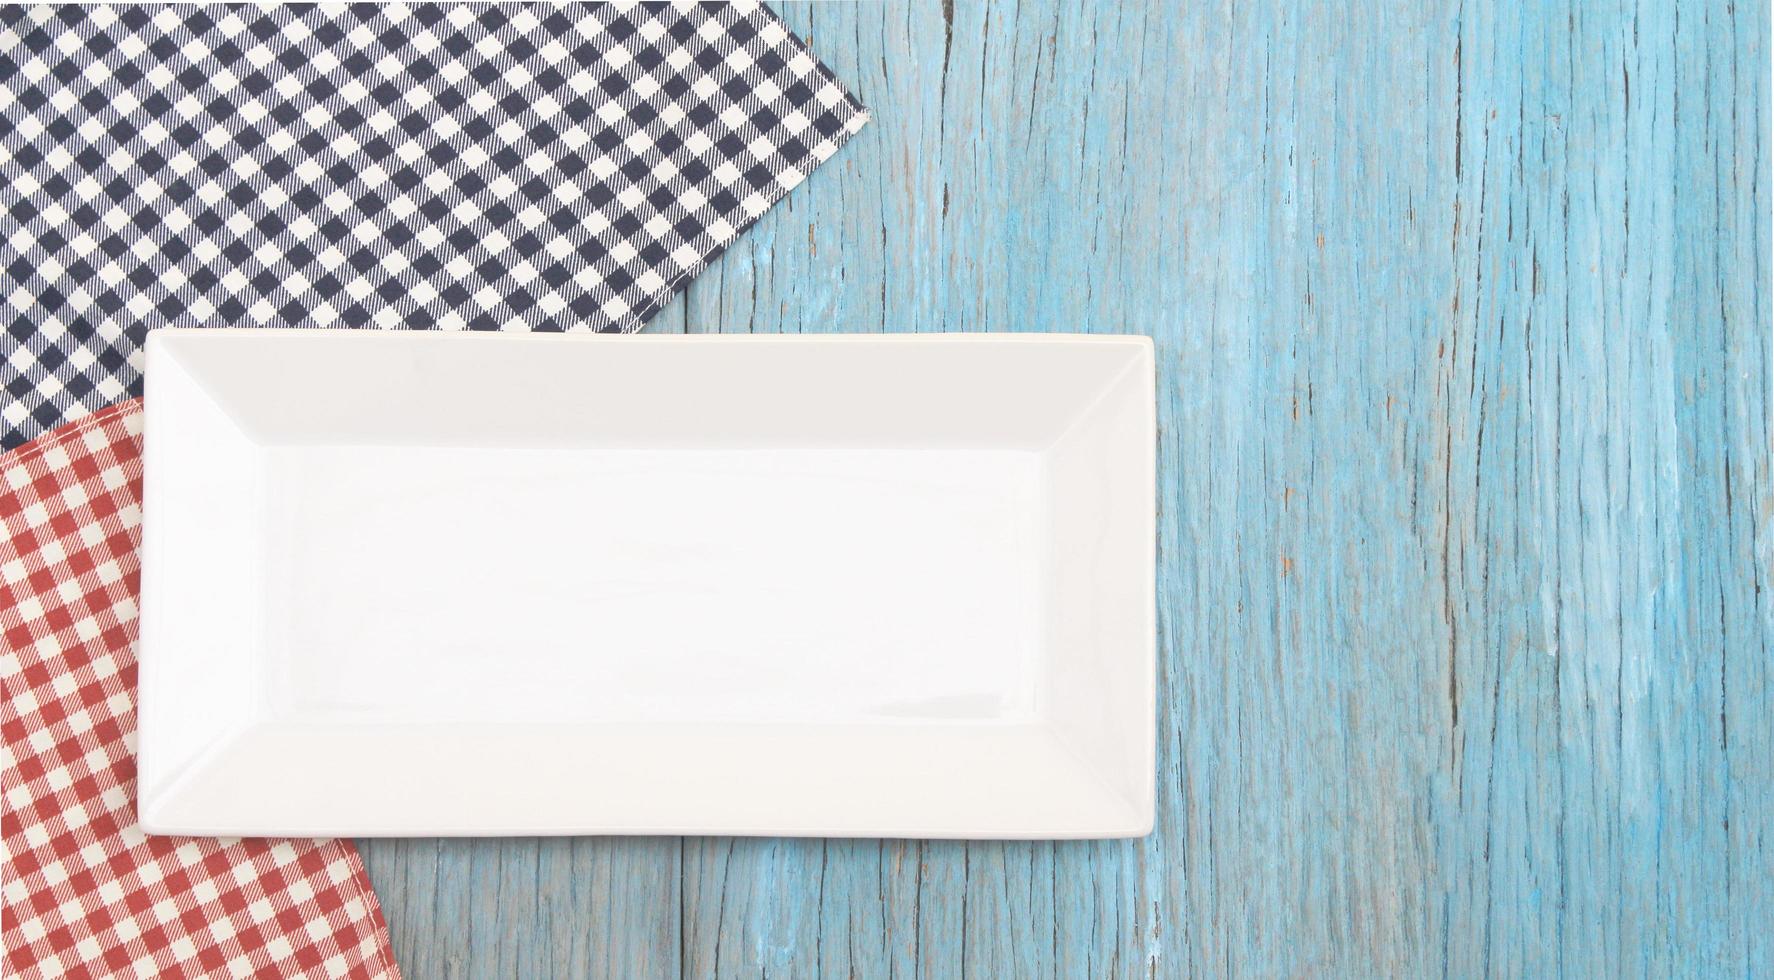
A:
1467,504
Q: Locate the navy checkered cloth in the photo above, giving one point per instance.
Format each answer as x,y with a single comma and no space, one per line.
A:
482,167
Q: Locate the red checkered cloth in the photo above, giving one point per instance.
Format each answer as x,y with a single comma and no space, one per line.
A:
86,893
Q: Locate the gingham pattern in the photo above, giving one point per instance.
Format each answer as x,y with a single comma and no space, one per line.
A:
85,893
451,166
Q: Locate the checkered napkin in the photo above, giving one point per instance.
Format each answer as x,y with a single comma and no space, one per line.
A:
508,166
85,893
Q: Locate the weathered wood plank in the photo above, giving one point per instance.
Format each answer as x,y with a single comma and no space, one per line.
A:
1466,495
530,907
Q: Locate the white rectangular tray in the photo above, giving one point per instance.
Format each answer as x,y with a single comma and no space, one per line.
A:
433,584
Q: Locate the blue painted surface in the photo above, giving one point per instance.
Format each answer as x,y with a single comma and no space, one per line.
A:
1467,502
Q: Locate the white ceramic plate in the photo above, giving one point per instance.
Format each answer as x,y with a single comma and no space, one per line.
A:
417,583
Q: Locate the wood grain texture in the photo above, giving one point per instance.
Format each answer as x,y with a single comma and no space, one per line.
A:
1466,496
